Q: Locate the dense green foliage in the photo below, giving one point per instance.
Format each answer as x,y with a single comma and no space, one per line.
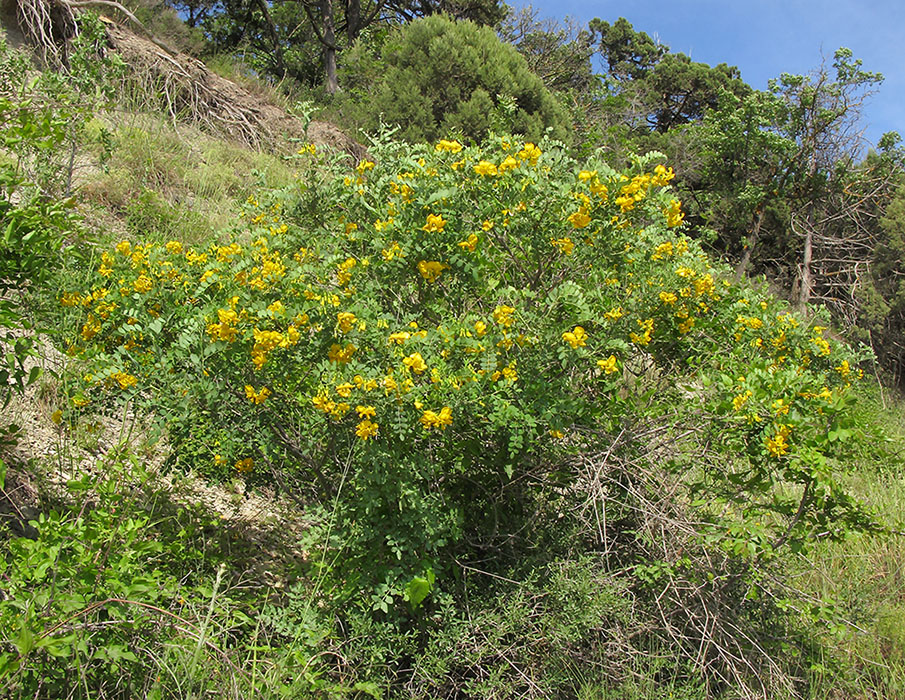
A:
436,77
538,443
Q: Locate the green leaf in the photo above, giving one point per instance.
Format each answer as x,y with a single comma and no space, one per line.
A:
369,688
418,589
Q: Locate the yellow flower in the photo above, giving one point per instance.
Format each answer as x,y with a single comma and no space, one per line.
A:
276,308
345,321
686,326
822,345
485,168
662,176
245,465
668,298
844,369
647,328
509,163
450,146
400,337
435,224
564,244
341,355
530,153
662,250
344,389
431,270
614,314
433,419
364,166
124,248
580,218
780,407
741,400
415,363
609,365
487,225
673,212
778,445
366,411
174,247
576,337
391,252
503,316
469,243
143,284
751,322
480,328
366,429
256,397
124,380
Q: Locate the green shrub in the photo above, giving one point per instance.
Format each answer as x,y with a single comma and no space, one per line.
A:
431,350
440,77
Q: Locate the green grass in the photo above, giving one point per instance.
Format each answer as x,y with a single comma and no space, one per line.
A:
865,574
160,182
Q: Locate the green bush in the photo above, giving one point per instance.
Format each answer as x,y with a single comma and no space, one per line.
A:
438,77
428,354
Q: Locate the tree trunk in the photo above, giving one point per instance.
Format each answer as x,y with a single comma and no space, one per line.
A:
353,20
752,241
329,42
804,291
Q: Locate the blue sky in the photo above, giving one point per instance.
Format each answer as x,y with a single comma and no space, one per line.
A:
767,37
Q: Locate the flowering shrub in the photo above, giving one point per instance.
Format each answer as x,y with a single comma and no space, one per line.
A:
429,338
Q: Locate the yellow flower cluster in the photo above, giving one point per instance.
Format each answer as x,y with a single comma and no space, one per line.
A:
777,445
448,146
345,321
485,168
366,429
470,243
341,355
344,271
530,153
436,419
266,341
566,245
674,214
741,399
125,380
580,218
224,330
435,224
647,328
509,372
609,365
577,337
751,322
503,315
415,363
256,397
335,410
431,269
